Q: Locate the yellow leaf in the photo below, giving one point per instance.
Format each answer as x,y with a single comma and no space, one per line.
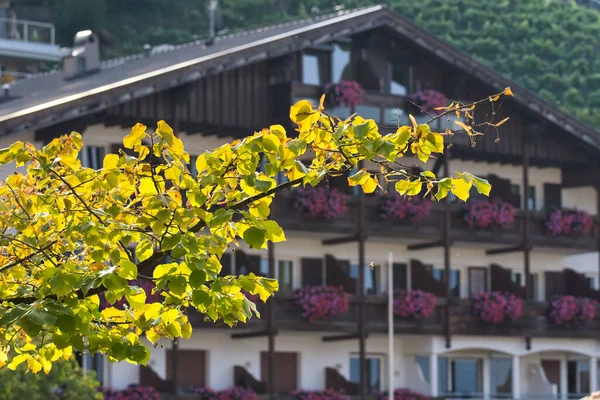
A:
501,122
414,121
165,132
461,188
369,185
138,132
3,358
110,161
201,163
67,352
508,92
321,107
173,173
147,186
34,365
152,336
16,361
465,127
153,311
46,365
303,114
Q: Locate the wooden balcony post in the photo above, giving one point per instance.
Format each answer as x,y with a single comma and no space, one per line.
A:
174,362
447,244
271,325
526,238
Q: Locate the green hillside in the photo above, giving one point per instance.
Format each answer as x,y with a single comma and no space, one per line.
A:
549,46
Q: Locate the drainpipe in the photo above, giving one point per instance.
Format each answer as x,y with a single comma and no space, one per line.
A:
212,8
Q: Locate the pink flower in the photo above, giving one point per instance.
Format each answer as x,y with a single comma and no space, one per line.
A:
429,100
567,310
322,302
565,222
401,208
348,93
486,213
411,303
321,203
328,394
404,394
497,307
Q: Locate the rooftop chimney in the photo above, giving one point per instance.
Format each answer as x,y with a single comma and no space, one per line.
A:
84,57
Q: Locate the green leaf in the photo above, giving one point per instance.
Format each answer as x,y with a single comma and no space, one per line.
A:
274,231
220,217
41,317
482,185
428,174
127,270
66,323
138,354
200,298
170,241
60,284
444,187
177,285
197,279
144,250
255,237
362,130
14,314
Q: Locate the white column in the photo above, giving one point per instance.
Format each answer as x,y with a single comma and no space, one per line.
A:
564,389
593,374
516,377
433,375
487,375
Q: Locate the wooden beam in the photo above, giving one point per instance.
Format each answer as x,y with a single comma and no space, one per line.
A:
341,240
247,335
337,338
504,250
428,245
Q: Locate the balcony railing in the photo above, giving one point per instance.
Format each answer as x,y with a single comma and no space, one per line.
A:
429,227
27,31
533,322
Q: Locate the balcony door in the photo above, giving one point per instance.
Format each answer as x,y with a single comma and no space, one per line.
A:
286,371
477,280
461,377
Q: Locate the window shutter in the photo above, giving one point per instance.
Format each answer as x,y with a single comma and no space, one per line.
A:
226,264
400,276
477,280
312,271
552,196
555,284
245,264
337,273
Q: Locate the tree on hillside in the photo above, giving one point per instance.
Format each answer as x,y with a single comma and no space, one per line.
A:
71,234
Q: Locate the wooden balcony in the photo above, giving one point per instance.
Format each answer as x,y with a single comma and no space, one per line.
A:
430,227
532,323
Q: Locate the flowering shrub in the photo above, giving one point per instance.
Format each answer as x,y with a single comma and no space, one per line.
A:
400,208
321,203
427,100
322,302
134,392
567,310
497,307
565,222
233,393
486,214
348,93
416,304
404,394
146,285
328,394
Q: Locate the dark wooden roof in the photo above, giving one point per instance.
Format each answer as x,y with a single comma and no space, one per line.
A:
49,99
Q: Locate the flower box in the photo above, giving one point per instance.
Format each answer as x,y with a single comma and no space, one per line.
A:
497,307
413,304
404,394
569,222
426,100
489,214
320,203
399,208
322,302
571,310
328,394
343,93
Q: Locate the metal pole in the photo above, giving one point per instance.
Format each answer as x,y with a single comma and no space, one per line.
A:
25,31
447,258
174,362
526,245
390,278
270,323
361,295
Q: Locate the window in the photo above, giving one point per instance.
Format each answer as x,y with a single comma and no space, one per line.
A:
285,275
423,365
590,282
454,280
92,362
515,189
312,68
92,156
519,279
340,63
578,377
531,203
373,373
501,377
370,283
460,376
399,78
193,169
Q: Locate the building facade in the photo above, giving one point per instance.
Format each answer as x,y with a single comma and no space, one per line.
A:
543,161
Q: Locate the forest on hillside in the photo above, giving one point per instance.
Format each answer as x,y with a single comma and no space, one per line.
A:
549,46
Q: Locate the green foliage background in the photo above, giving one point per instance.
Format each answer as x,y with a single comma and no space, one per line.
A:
65,378
548,46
